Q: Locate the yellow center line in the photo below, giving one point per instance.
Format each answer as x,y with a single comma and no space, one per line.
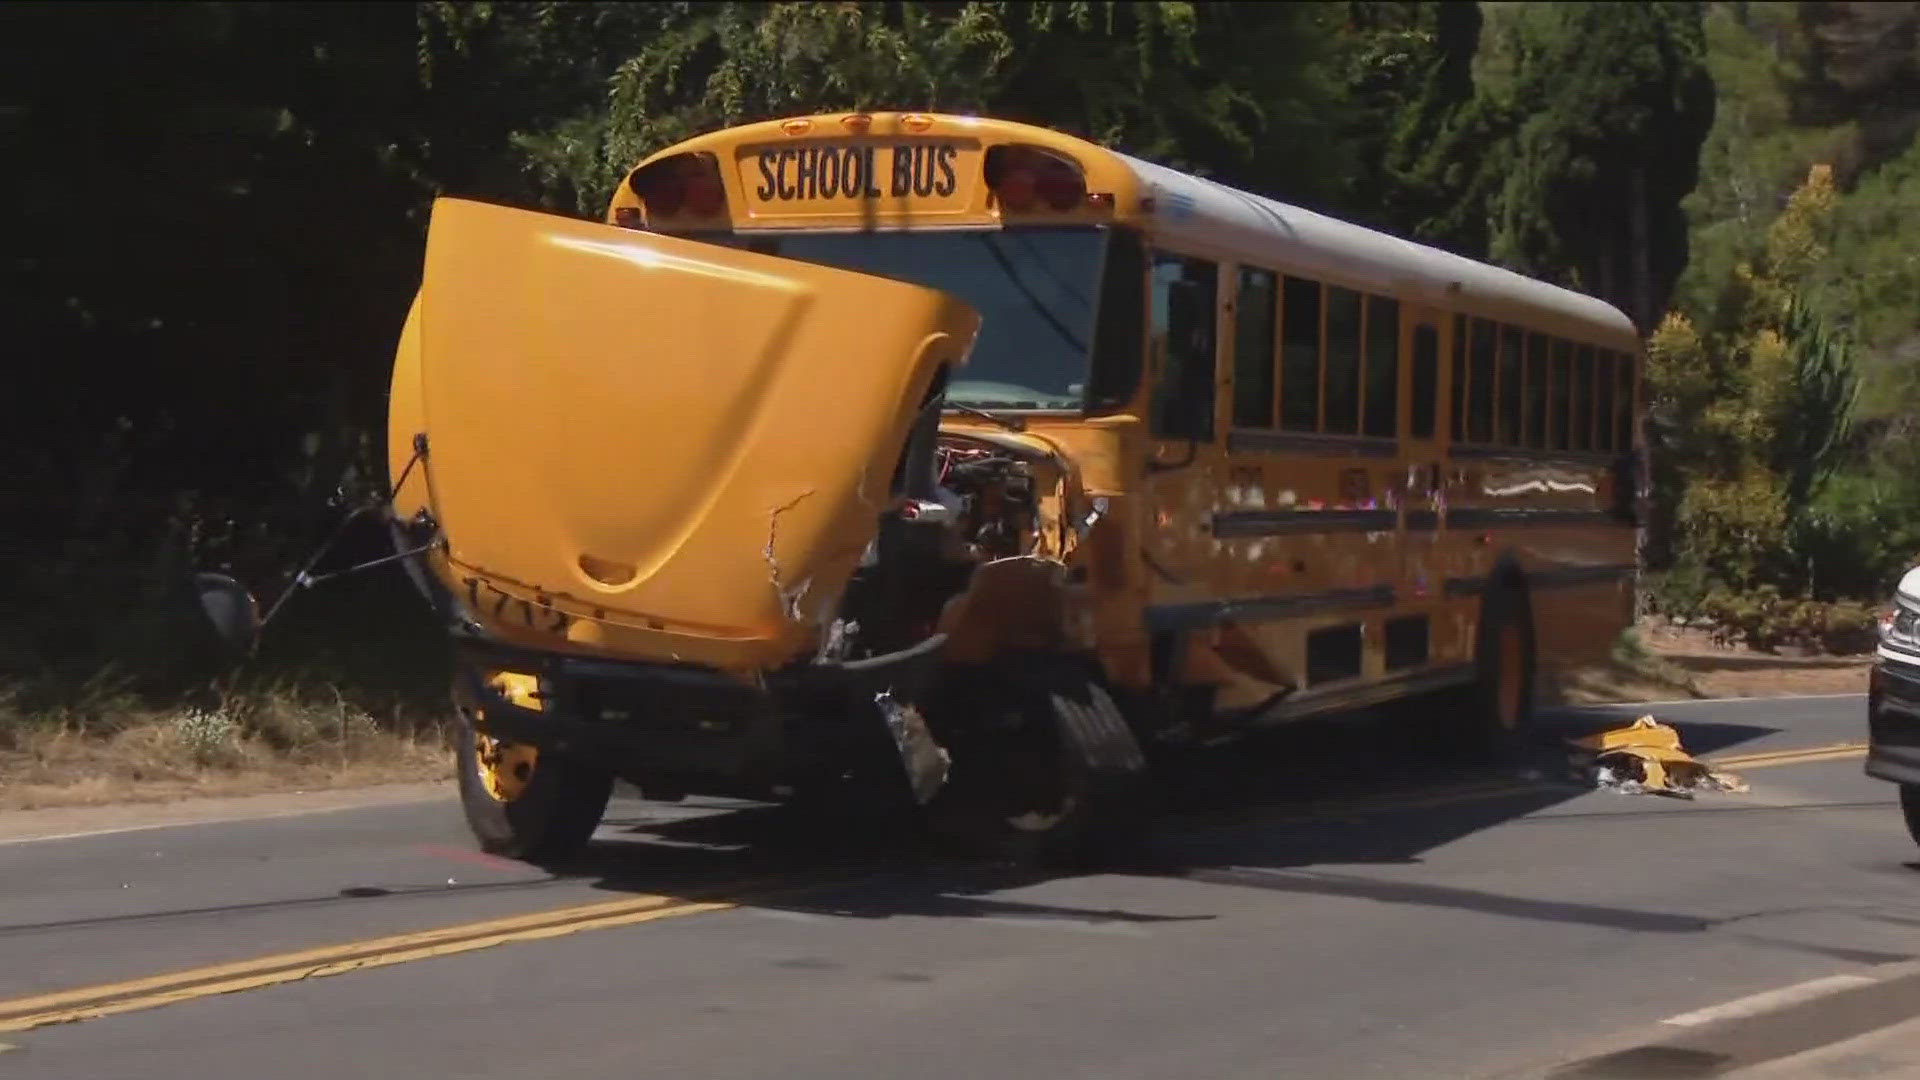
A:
87,1003
1790,757
1495,789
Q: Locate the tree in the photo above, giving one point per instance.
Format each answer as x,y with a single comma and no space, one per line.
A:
1756,422
213,247
1246,92
1442,143
1618,101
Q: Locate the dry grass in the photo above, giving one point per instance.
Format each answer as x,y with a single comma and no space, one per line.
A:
258,742
100,746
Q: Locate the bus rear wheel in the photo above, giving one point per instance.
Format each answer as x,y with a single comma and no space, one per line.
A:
1499,701
523,804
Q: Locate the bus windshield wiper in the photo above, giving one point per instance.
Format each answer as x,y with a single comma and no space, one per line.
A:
1008,422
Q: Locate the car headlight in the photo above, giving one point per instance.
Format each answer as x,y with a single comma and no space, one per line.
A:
1900,628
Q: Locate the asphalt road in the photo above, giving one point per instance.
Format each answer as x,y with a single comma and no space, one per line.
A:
1326,904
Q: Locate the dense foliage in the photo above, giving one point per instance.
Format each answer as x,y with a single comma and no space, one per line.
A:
218,212
1787,451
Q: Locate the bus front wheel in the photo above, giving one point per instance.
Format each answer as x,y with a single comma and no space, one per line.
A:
524,804
1045,768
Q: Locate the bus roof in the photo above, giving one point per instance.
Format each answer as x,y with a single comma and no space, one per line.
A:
1216,215
1176,206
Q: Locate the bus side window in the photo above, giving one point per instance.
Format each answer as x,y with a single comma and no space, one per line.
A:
1561,408
1582,414
1480,390
1623,409
1300,355
1383,367
1426,381
1459,395
1537,391
1118,359
1343,362
1603,403
1253,335
1185,325
1511,375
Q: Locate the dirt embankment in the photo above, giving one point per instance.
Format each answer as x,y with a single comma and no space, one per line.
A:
1668,662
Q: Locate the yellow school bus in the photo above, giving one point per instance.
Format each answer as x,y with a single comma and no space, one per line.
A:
902,444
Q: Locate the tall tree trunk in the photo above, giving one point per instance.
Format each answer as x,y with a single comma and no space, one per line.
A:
1643,319
1642,272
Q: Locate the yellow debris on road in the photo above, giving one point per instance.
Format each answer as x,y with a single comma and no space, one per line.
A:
1645,757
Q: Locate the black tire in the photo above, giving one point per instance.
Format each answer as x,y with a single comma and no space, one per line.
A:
1045,769
553,817
1910,809
1498,712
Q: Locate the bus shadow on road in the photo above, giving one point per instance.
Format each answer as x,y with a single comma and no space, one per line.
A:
1273,812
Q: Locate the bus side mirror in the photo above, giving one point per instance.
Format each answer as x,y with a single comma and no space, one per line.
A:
228,611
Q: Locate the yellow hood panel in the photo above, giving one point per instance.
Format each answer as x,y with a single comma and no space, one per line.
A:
653,432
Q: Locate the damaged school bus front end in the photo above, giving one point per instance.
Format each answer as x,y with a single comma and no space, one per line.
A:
644,448
696,522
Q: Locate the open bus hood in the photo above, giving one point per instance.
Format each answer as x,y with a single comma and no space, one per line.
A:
653,447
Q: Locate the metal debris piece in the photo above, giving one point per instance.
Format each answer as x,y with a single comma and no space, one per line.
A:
926,761
1646,757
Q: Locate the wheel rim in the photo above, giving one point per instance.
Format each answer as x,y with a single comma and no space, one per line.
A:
505,768
1511,697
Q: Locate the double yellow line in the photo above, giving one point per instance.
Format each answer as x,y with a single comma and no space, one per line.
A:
1835,752
87,1003
1433,797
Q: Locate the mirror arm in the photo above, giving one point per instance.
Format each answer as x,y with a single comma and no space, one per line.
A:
306,578
307,581
299,579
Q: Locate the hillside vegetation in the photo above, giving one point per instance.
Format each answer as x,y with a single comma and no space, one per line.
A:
1787,450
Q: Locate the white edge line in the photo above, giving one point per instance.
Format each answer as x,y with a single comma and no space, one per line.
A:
9,841
1705,701
1769,1000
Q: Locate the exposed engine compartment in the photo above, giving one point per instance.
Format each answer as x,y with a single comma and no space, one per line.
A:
980,503
990,494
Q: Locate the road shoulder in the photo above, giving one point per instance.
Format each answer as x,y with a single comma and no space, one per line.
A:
1780,1032
19,826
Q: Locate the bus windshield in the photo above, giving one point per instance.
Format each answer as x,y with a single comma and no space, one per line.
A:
1036,291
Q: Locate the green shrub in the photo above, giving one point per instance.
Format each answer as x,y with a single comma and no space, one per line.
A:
1677,593
1765,620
